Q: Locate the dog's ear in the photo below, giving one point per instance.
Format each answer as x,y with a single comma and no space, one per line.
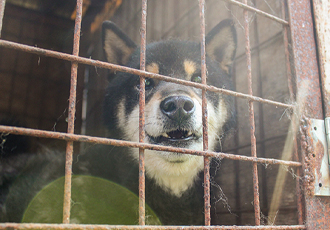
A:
117,46
221,43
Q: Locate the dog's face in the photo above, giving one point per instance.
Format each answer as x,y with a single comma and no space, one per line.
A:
173,113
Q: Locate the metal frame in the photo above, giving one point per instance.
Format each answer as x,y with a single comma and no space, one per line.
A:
306,69
300,27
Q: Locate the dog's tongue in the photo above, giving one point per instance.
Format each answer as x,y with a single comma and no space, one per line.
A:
178,134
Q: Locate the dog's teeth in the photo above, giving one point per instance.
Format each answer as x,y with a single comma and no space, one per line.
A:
165,135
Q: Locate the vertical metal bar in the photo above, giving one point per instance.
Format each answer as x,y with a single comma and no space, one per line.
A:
292,98
237,164
143,32
298,184
304,54
262,147
287,56
2,11
71,116
321,10
251,115
236,168
207,205
317,209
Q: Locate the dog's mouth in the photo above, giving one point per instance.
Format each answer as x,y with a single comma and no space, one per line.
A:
178,135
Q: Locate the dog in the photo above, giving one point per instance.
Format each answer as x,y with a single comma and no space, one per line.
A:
173,117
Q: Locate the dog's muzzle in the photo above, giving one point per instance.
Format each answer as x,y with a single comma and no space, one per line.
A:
178,128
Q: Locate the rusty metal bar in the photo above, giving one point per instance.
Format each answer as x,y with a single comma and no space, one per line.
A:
317,209
292,98
2,11
287,56
207,205
262,147
255,10
299,193
6,226
106,65
321,10
71,116
235,150
251,115
304,54
143,32
108,141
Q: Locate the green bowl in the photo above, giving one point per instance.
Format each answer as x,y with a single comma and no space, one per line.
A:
94,201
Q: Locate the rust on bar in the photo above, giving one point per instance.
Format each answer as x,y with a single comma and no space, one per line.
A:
317,209
143,31
260,12
207,205
108,141
299,192
2,11
251,115
304,54
261,108
106,65
6,226
71,116
321,9
292,98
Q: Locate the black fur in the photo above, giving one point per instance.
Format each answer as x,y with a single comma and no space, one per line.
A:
11,145
13,151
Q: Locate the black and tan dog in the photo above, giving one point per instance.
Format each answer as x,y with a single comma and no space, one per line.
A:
173,117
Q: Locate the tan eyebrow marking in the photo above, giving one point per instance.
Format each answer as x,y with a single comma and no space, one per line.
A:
189,67
153,68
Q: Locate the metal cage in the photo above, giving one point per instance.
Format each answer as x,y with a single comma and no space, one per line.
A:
301,59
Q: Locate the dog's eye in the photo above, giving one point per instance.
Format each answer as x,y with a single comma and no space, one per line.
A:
196,78
149,83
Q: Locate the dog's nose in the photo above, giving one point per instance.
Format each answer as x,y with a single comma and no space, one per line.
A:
178,108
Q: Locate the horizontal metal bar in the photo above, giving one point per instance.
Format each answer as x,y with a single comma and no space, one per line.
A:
106,65
108,141
260,12
6,226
